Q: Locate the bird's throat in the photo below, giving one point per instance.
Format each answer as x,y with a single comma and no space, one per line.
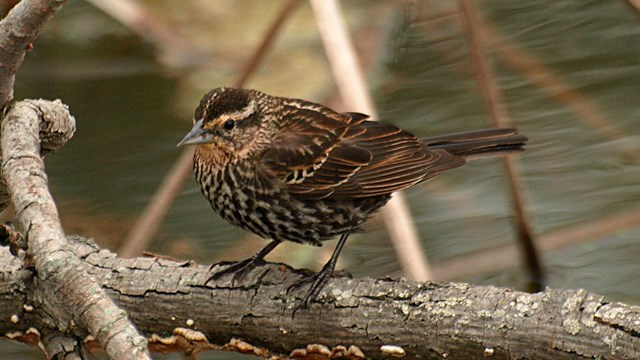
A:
216,155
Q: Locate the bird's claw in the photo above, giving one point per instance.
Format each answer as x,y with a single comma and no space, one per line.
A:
239,270
319,280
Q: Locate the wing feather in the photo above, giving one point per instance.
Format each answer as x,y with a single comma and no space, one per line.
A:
399,160
324,154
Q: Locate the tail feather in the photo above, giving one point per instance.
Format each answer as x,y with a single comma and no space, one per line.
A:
479,144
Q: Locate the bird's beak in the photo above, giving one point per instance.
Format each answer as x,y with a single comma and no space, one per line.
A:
197,135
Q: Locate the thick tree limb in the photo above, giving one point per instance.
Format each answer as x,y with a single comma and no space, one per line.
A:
169,302
17,32
63,289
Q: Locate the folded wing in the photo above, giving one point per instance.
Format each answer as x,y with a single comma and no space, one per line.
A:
331,155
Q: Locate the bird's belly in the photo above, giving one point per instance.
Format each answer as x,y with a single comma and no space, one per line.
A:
278,215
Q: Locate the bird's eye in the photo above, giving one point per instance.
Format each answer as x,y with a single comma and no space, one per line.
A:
229,124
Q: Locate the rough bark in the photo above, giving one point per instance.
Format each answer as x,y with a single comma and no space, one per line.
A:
63,290
18,30
170,303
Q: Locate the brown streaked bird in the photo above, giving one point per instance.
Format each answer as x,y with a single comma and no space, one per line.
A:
292,170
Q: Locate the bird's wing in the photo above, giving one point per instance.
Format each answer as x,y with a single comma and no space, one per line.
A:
322,155
308,156
398,160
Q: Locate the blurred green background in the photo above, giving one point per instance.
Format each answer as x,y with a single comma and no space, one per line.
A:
133,100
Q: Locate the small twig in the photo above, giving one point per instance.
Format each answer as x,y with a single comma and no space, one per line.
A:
635,4
147,225
351,85
271,34
534,70
495,106
502,257
176,50
545,79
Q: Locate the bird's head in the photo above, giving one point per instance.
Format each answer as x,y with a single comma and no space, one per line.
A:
227,119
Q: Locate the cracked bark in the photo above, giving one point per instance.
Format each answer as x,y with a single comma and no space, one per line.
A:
169,303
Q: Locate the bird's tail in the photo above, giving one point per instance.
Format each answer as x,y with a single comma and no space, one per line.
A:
479,144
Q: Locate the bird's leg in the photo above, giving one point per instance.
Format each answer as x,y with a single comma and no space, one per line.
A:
320,278
241,268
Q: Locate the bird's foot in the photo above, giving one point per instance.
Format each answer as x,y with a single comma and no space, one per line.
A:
318,281
242,268
239,270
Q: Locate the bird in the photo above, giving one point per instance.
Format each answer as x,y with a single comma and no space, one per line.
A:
288,169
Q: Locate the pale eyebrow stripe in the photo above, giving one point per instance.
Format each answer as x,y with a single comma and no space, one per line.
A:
244,113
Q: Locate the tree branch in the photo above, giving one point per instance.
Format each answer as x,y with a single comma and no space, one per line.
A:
170,304
17,31
63,288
